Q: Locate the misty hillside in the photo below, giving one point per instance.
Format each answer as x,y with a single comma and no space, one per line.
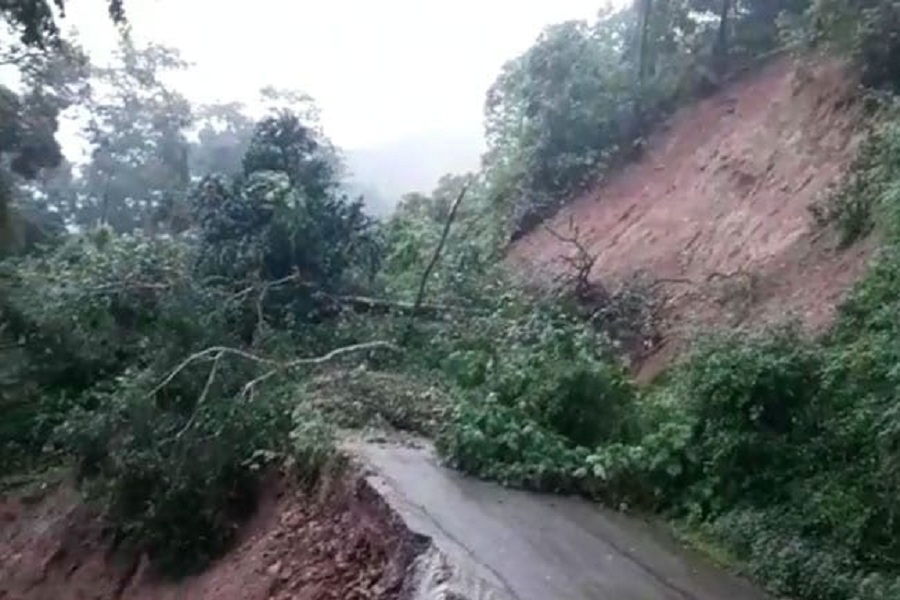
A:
384,173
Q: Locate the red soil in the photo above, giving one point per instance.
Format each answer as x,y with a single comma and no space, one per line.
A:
339,545
719,203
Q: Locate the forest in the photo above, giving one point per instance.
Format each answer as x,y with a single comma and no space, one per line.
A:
169,305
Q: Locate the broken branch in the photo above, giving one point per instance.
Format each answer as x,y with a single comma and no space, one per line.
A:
435,257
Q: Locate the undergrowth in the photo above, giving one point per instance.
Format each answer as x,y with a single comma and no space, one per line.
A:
872,181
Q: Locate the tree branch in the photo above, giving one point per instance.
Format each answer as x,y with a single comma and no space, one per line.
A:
217,352
434,258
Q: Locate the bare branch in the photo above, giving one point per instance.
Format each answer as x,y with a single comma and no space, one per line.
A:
299,362
215,353
435,257
582,263
209,381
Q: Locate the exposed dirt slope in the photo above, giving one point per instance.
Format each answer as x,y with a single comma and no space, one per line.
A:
716,209
343,544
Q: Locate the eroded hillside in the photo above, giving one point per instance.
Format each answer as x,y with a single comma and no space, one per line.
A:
716,210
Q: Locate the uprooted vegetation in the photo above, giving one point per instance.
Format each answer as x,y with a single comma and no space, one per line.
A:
236,321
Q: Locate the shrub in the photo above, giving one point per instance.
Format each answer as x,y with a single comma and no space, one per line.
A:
88,310
529,414
752,395
499,442
175,470
870,189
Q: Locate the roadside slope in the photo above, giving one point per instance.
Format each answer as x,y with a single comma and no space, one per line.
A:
717,208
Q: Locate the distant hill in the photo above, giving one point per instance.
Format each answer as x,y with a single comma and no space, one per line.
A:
384,173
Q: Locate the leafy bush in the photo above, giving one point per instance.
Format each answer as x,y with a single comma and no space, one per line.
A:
89,310
871,187
175,478
530,413
752,396
495,441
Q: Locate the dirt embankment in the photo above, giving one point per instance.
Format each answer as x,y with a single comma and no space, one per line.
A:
341,543
717,208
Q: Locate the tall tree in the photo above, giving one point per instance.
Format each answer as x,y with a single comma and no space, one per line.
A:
137,129
49,81
644,10
224,132
721,49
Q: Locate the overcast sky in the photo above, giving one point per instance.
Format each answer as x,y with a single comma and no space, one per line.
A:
379,69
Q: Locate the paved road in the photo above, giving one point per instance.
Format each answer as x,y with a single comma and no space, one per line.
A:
491,542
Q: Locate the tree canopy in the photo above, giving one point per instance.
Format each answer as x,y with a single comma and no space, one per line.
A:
36,21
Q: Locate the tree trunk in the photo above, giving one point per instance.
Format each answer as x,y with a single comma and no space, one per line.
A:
643,45
721,51
644,9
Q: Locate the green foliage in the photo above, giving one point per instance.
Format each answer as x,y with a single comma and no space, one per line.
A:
750,395
529,412
133,356
88,308
557,112
467,273
86,311
176,474
583,98
870,188
284,215
495,441
865,30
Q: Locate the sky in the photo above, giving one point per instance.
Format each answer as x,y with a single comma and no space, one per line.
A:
379,70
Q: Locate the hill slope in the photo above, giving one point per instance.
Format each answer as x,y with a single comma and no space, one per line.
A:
717,208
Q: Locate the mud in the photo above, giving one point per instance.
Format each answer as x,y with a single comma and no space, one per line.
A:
342,543
717,212
493,543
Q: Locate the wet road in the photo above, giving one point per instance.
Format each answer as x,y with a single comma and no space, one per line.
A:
502,544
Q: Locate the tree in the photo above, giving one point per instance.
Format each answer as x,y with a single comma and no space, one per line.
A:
223,137
645,14
557,112
284,217
49,82
137,125
35,20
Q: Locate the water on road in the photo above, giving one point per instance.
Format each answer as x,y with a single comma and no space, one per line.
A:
490,542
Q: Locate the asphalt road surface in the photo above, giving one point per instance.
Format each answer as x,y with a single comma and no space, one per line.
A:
493,543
